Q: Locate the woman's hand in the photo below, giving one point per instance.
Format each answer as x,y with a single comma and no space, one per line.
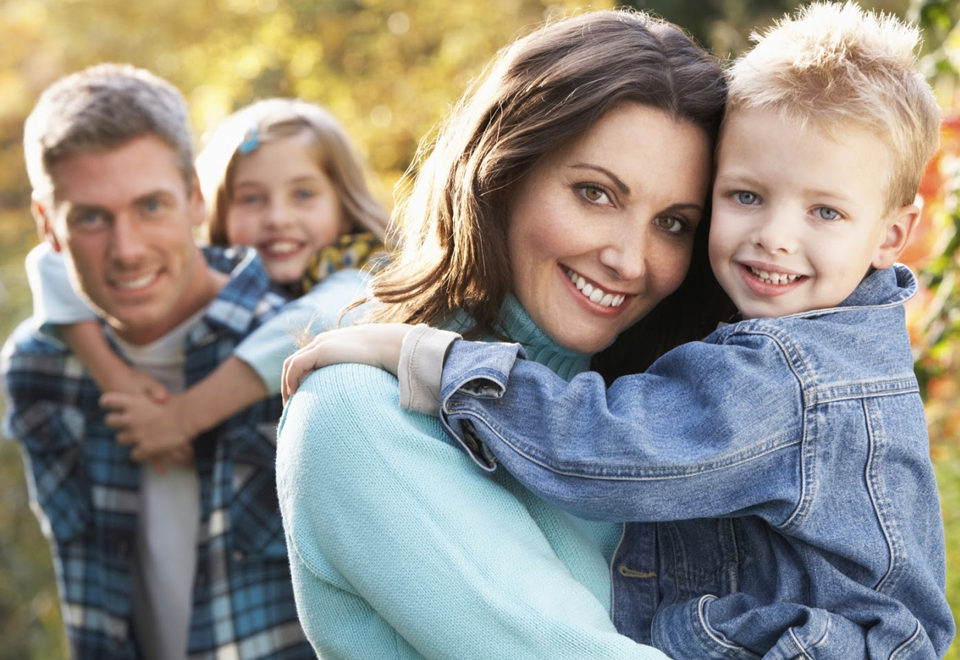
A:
376,344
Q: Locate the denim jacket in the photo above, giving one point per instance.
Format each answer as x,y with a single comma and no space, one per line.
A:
775,478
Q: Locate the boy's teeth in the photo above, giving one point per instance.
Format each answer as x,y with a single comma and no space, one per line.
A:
595,294
773,278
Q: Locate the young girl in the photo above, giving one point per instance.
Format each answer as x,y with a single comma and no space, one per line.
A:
281,176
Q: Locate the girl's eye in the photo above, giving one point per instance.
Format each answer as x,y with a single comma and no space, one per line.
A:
593,194
746,197
303,194
672,224
248,199
827,213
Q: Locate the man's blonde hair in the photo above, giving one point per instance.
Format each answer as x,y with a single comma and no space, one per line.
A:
835,66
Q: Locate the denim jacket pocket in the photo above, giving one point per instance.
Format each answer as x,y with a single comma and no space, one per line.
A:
254,508
683,631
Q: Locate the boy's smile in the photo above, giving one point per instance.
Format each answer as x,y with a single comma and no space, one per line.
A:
799,217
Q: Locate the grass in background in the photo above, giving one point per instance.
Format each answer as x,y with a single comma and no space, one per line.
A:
30,623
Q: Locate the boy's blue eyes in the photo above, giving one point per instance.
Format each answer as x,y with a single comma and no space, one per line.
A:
746,197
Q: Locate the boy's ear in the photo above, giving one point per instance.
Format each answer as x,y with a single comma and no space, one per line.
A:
44,224
900,224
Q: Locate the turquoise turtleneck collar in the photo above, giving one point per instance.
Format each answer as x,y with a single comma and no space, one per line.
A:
517,325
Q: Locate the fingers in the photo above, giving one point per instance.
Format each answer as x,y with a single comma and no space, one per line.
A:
117,420
158,393
115,400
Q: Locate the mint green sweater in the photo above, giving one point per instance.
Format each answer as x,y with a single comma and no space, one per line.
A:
401,547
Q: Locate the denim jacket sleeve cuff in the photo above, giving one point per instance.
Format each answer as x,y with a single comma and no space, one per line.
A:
474,370
420,368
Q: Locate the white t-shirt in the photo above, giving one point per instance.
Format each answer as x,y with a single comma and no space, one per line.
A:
168,524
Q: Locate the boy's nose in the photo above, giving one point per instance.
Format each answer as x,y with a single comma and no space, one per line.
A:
777,233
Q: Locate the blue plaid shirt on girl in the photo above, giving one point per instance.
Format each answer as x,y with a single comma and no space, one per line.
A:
85,490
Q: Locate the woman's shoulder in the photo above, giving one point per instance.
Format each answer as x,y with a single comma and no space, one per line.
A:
345,390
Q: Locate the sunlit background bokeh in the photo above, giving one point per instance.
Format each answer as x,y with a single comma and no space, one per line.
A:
389,70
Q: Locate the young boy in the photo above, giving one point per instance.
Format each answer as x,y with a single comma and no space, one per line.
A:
776,474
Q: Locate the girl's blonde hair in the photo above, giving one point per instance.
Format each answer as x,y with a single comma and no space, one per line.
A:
541,92
272,119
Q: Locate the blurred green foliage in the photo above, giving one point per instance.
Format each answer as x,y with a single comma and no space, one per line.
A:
389,70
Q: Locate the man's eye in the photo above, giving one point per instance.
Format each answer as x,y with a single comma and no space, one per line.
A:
88,219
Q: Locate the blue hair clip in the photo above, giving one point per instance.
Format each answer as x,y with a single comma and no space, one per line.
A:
250,141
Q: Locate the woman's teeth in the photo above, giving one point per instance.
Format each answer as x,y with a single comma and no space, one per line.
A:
595,293
773,278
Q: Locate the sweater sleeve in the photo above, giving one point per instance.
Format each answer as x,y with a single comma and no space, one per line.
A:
268,346
393,531
54,300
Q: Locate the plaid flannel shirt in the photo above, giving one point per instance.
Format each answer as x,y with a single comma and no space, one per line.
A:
85,491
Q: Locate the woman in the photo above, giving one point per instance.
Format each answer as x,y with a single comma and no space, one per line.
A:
583,160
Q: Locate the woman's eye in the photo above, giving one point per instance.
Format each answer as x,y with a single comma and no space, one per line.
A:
672,224
746,197
594,194
827,213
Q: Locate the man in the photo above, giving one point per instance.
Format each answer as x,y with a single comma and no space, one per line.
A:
149,563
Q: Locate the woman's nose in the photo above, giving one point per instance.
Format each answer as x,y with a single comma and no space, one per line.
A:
624,256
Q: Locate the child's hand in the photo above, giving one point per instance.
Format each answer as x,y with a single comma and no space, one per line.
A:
154,428
135,382
376,344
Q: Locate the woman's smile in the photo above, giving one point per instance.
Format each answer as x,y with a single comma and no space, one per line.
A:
596,239
593,292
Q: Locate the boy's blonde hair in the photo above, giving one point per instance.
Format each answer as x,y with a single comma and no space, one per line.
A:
837,66
265,121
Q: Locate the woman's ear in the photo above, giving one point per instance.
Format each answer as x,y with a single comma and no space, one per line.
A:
899,227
